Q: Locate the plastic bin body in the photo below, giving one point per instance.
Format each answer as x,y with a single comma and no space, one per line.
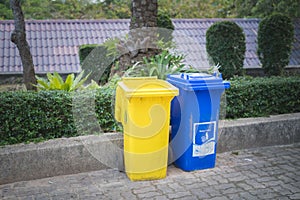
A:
143,107
194,120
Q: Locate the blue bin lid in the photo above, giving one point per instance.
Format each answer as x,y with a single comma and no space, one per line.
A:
197,81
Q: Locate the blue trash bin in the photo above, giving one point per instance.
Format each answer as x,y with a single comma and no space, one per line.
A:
194,119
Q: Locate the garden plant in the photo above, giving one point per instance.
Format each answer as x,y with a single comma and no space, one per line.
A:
275,40
226,46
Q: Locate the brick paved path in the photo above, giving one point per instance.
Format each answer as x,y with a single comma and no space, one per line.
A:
263,173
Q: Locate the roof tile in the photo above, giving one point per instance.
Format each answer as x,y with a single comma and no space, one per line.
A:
54,43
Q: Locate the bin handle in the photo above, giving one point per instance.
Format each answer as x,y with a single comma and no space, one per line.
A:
187,77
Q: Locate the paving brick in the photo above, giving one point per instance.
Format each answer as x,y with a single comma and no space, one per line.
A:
296,184
266,179
244,186
210,181
272,183
200,194
232,190
282,191
176,187
255,184
128,195
144,190
285,178
251,174
265,193
211,191
260,172
179,195
157,198
233,174
148,194
199,184
248,196
219,198
233,196
26,198
287,167
187,181
187,198
295,196
224,186
291,188
237,178
165,188
10,198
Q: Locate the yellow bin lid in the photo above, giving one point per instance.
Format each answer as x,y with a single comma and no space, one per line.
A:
146,87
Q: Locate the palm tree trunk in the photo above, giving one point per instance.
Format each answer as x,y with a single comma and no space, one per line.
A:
142,36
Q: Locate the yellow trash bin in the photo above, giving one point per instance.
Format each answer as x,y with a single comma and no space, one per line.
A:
143,107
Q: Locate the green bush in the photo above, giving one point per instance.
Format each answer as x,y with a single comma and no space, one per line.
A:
255,97
275,39
36,116
225,44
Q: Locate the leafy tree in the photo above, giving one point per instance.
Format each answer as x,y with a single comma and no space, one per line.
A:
116,8
263,8
5,12
243,8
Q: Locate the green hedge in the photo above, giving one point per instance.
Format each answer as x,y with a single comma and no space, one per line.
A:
255,97
37,116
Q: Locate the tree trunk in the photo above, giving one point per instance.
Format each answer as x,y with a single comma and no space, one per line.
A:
142,36
18,37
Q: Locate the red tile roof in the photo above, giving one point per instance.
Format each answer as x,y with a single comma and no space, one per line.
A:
55,43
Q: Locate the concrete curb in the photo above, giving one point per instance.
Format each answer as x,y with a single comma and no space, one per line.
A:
87,153
258,132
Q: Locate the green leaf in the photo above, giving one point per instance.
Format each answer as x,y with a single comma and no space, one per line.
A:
77,80
58,78
69,82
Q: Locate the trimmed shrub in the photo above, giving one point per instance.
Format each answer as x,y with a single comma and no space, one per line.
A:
226,46
275,39
37,116
261,96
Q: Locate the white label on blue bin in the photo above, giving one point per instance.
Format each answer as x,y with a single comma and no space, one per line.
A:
204,137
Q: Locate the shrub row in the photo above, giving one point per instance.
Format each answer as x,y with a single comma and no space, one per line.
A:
255,97
32,116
